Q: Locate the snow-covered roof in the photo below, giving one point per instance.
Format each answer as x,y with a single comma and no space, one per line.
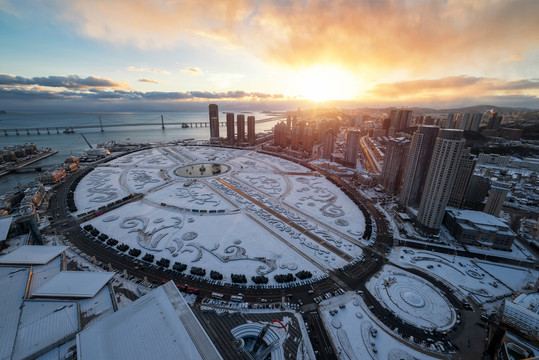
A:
5,224
74,284
477,217
94,309
12,288
44,324
159,325
32,255
528,301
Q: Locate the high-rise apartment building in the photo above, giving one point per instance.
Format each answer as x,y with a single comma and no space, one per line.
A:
280,135
440,178
394,164
240,124
477,192
309,139
400,119
214,121
329,143
295,138
495,200
450,122
476,122
251,135
230,128
462,181
494,121
352,146
465,121
417,165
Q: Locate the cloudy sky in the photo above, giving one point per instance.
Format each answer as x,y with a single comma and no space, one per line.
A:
371,52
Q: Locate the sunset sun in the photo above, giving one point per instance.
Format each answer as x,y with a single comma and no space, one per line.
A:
322,83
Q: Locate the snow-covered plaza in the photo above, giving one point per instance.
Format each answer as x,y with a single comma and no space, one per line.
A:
227,210
413,299
357,334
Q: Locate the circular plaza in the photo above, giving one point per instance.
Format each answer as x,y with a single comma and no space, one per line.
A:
226,214
412,299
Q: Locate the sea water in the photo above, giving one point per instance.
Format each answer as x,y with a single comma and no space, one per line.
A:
74,144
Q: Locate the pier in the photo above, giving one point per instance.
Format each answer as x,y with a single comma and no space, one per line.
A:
23,164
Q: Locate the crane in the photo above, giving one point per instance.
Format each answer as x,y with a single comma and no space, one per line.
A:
87,142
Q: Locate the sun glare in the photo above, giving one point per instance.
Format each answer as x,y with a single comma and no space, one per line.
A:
322,83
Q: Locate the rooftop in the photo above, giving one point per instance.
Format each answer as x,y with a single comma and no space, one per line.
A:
478,218
5,224
74,284
32,255
159,325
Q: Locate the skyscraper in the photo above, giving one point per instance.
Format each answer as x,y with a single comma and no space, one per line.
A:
230,128
476,122
394,164
352,145
214,121
329,143
440,178
494,121
450,122
251,135
495,200
462,181
417,165
295,138
240,123
400,119
309,139
477,192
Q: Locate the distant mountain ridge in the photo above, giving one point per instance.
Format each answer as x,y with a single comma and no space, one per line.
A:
470,109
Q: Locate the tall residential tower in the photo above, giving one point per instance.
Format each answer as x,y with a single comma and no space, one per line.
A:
440,178
417,165
214,121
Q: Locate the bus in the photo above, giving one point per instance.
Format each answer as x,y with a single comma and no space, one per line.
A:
236,298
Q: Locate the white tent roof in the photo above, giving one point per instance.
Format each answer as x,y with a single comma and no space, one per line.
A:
74,284
5,224
12,288
32,255
160,325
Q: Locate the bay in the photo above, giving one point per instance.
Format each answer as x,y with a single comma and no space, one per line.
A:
74,144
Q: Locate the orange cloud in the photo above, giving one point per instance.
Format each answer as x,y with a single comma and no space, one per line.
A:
192,70
143,80
451,88
369,37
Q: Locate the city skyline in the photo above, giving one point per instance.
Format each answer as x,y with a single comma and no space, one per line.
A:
114,55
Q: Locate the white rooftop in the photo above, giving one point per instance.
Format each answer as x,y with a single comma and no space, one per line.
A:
5,224
478,217
74,284
32,255
160,325
44,324
12,288
528,301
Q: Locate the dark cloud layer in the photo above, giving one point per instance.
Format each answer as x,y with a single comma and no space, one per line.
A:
68,82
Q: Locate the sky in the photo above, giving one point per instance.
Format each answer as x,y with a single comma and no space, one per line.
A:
178,54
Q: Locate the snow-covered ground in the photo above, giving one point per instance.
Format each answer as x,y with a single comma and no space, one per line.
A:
413,299
263,216
100,187
357,334
484,281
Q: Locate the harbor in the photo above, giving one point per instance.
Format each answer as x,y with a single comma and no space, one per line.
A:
17,166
